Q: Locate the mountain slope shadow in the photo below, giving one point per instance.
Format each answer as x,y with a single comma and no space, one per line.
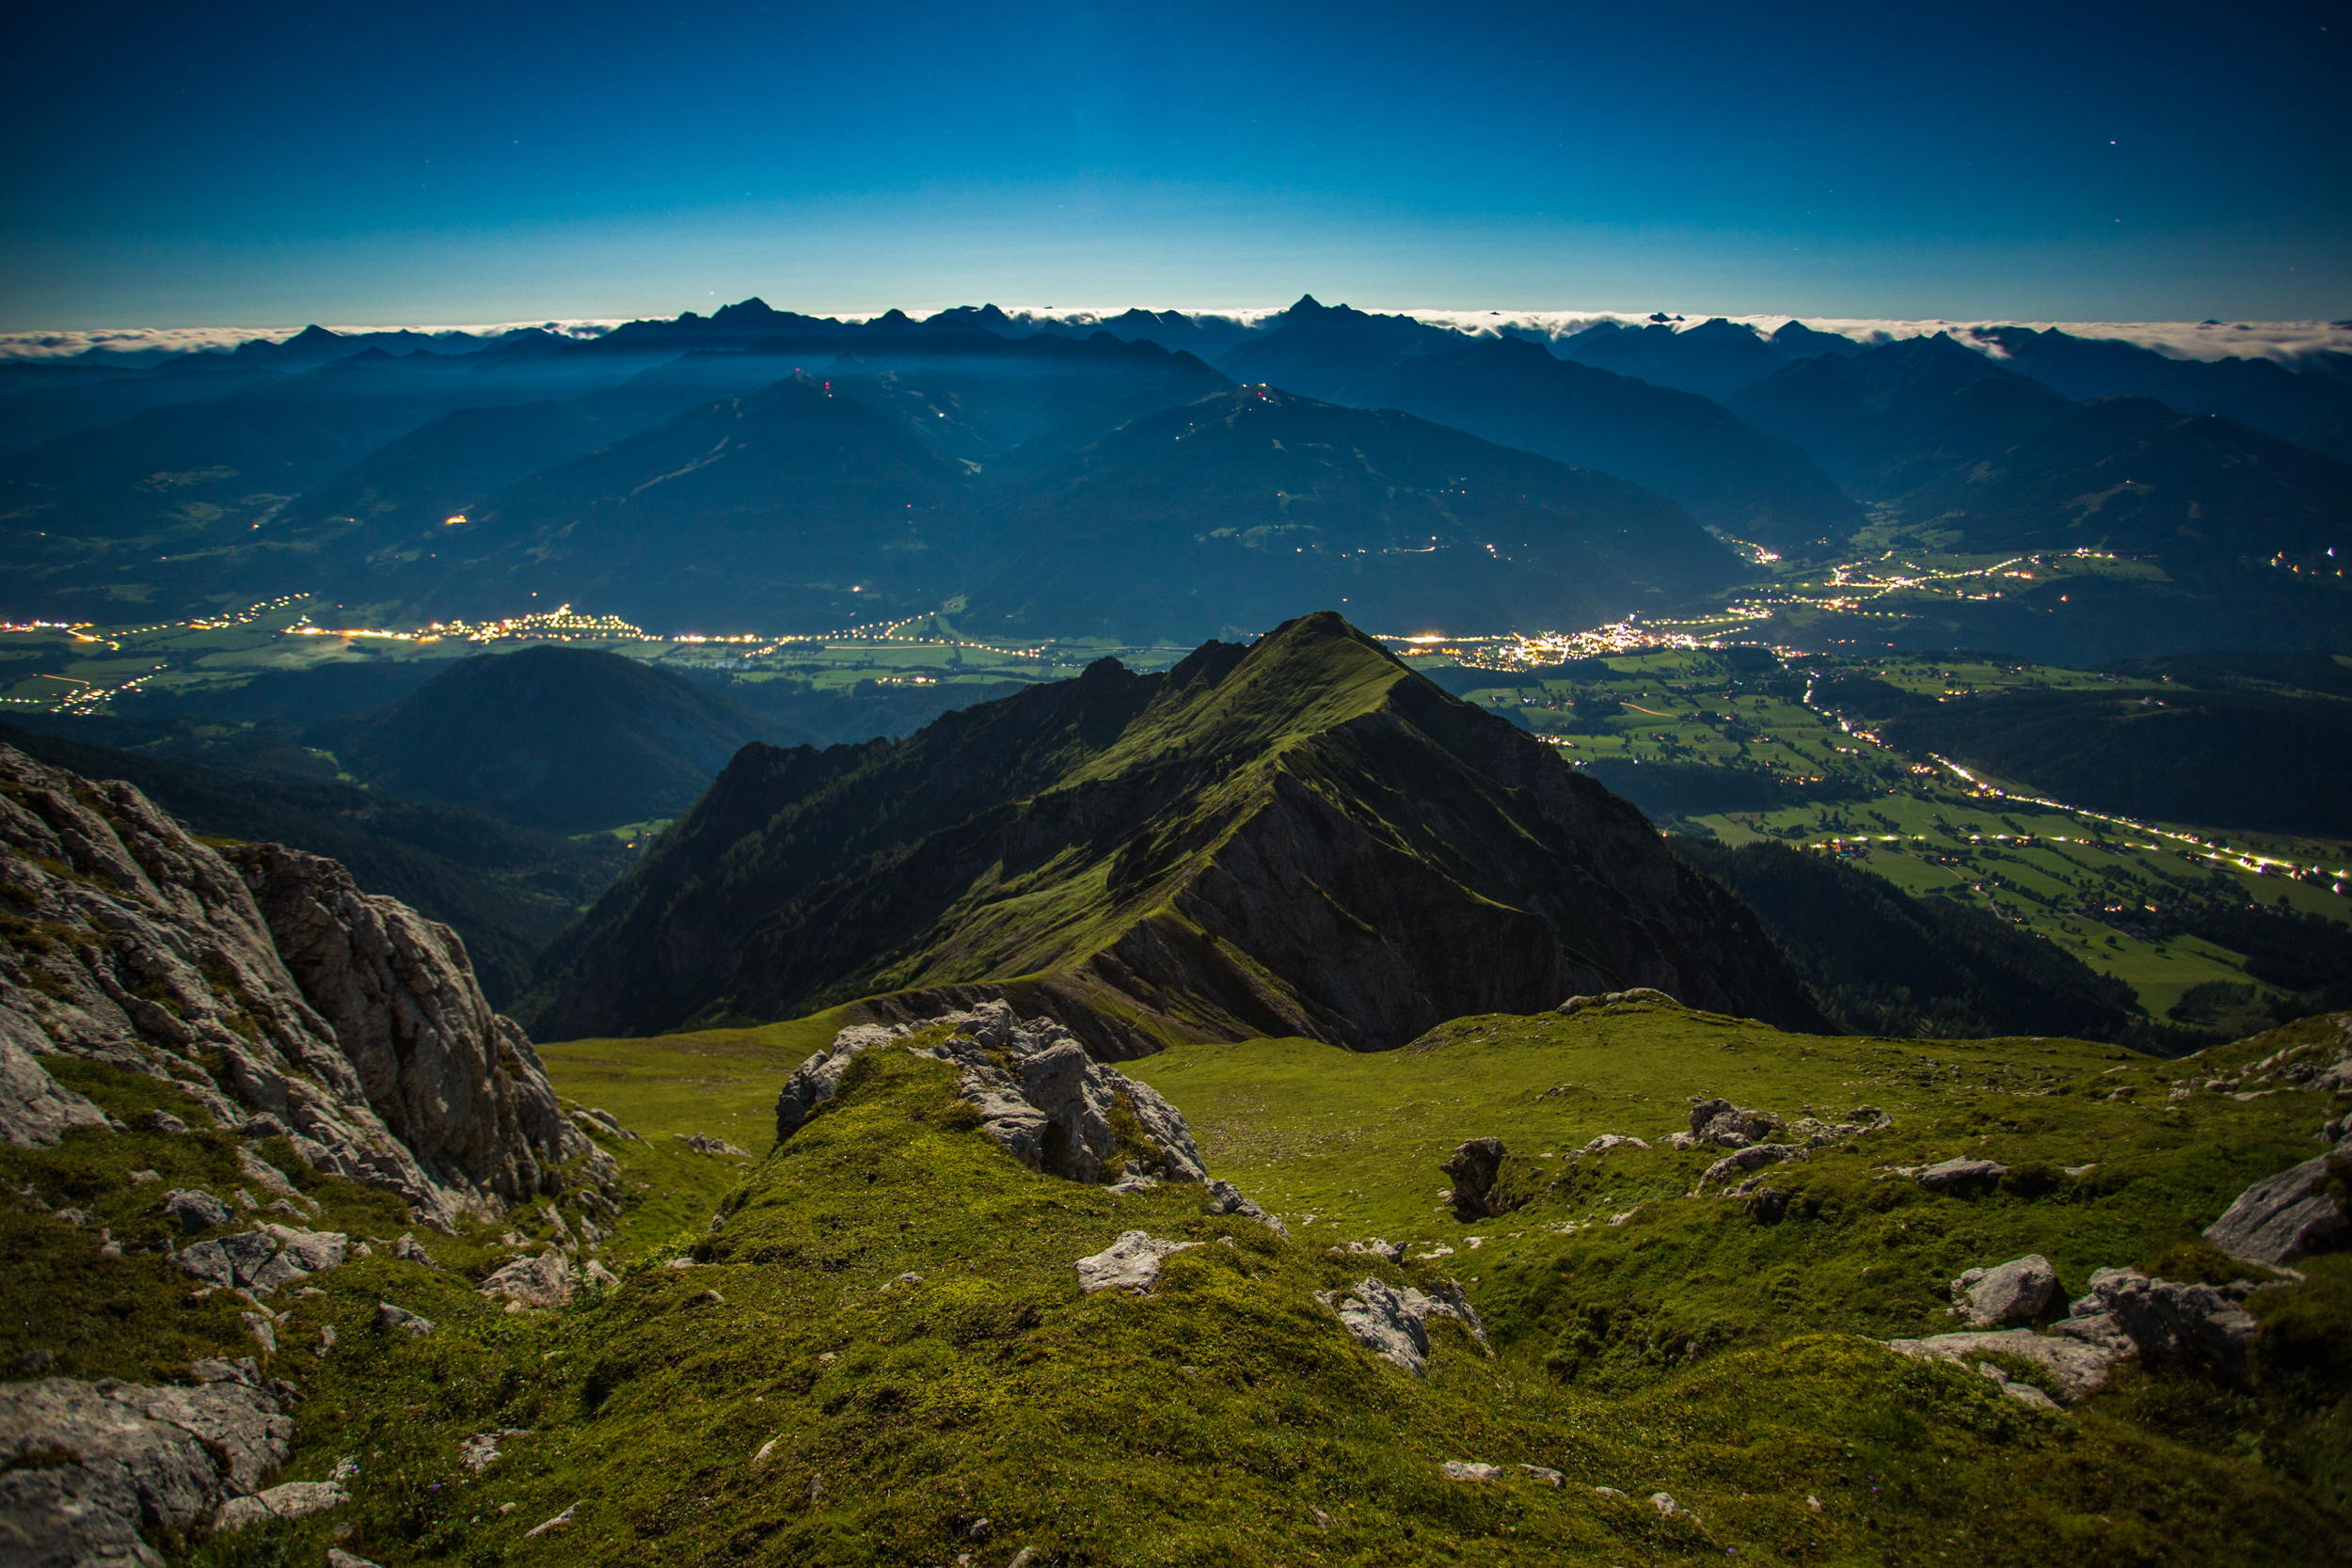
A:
1299,837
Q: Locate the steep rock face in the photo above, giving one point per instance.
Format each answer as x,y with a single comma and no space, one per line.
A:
1302,837
455,1081
126,940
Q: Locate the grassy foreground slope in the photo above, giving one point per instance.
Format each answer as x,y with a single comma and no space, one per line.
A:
880,1342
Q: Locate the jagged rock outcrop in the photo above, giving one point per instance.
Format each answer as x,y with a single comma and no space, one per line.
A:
1041,1096
2201,1328
83,1467
267,986
1474,1168
453,1080
1393,1323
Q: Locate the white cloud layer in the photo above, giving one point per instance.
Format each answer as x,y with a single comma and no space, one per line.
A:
151,340
2285,341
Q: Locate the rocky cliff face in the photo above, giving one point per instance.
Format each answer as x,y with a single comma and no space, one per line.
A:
267,985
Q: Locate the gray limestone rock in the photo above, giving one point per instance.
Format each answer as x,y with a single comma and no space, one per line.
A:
2079,1367
1728,1126
819,1079
388,1316
1753,1157
1393,1323
543,1280
295,1499
2017,1292
1959,1176
196,1210
1130,1263
1226,1198
1046,1102
142,1457
2199,1326
271,990
2281,1217
34,1108
1457,1469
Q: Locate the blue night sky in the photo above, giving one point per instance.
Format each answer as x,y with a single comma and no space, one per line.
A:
431,162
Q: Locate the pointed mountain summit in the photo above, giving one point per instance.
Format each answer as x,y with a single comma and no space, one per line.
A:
1300,838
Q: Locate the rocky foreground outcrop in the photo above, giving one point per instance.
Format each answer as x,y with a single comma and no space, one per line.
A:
1041,1096
269,988
83,1467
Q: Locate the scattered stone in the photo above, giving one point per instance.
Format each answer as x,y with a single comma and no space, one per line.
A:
1226,1198
543,1279
409,1250
702,1144
1608,1141
2017,1292
265,1333
141,1178
1457,1469
2281,1217
1129,1185
337,1558
600,1275
766,1451
1751,1157
1130,1263
163,1121
1027,1556
1960,1175
1474,1168
388,1316
562,1521
1607,1491
1666,1504
295,1499
480,1451
325,1341
1549,1478
1376,1247
195,1210
1767,1205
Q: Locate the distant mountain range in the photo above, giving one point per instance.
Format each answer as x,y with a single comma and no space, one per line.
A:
762,469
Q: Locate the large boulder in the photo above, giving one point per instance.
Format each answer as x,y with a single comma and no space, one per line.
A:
2281,1217
543,1279
2077,1366
1728,1126
2017,1292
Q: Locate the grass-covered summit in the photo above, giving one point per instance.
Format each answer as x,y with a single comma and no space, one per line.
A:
1298,837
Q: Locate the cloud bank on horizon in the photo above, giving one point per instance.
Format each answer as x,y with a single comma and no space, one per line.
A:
2289,342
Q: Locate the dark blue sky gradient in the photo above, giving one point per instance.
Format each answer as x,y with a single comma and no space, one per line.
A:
439,163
